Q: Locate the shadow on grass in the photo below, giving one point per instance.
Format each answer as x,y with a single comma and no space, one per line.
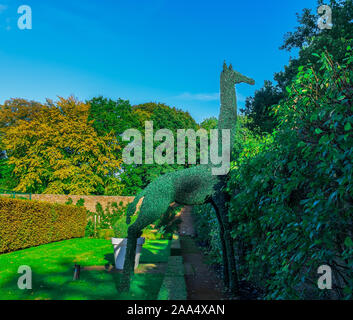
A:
92,285
110,259
152,252
156,251
52,279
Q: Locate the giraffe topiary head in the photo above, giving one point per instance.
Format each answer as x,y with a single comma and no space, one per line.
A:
234,77
228,113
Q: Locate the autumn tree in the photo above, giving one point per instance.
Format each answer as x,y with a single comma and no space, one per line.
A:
55,149
11,111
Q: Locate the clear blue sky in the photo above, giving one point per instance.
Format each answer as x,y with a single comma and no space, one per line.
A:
142,50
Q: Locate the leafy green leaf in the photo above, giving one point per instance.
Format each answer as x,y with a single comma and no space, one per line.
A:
318,131
347,126
348,242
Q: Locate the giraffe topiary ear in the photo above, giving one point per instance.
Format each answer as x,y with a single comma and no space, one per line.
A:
231,67
224,66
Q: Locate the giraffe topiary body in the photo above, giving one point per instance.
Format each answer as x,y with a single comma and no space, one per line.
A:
193,186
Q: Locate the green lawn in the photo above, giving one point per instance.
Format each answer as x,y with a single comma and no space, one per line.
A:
52,271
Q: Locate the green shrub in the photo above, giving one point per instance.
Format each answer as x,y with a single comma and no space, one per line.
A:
106,234
120,228
116,220
207,232
292,191
149,233
104,219
107,218
89,230
26,224
80,202
69,201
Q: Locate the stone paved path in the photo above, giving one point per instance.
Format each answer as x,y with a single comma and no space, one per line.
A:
186,227
202,282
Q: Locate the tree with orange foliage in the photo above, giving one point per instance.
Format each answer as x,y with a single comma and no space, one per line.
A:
55,149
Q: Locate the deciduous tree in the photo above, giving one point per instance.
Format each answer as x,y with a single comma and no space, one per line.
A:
56,149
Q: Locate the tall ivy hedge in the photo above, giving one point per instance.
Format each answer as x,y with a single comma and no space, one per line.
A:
207,231
292,191
25,223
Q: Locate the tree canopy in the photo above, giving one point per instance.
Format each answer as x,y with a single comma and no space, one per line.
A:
117,116
54,149
309,39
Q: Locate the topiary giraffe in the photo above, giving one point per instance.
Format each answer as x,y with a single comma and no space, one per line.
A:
193,186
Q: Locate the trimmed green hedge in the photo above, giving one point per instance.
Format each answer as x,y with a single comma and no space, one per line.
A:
26,223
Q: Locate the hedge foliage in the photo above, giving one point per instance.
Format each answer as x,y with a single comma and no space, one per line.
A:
207,231
26,223
291,191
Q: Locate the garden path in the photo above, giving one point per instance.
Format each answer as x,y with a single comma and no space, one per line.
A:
202,282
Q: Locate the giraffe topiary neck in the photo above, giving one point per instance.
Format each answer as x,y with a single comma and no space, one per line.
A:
228,112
